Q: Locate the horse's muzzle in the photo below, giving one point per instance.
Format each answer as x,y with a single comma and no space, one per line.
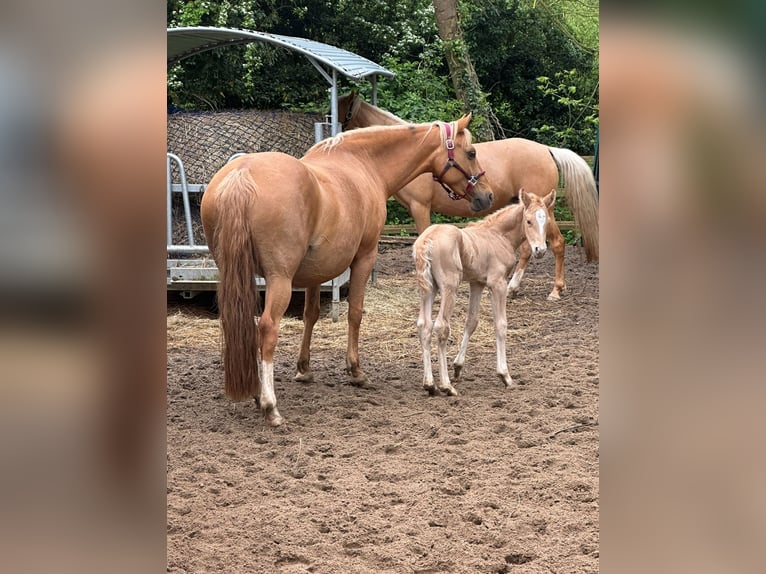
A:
480,201
538,251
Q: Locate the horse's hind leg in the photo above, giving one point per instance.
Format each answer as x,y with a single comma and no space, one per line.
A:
278,293
471,322
425,328
310,316
442,330
557,244
525,252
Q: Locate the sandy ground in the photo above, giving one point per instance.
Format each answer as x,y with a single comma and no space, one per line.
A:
387,478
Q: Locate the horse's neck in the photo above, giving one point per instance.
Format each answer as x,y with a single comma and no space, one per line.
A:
369,115
395,156
508,224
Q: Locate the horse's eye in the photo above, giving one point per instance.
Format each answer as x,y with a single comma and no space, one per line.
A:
529,222
471,154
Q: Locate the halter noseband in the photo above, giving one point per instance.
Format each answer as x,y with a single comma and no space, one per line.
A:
472,179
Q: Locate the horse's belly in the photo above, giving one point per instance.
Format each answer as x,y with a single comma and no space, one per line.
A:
315,269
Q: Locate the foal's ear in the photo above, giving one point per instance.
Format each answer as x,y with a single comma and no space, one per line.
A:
463,122
524,196
550,199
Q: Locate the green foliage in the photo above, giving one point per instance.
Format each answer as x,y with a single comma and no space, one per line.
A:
537,62
577,127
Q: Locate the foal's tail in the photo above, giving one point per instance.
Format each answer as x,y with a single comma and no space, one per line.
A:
238,299
421,253
582,198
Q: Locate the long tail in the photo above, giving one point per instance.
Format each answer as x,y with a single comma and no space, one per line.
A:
582,197
238,299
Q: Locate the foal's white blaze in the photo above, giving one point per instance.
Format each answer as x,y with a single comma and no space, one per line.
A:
542,218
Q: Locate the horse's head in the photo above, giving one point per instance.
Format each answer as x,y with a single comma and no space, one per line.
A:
461,175
538,215
347,106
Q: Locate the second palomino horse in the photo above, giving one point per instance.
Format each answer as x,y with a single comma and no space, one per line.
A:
482,254
301,222
511,164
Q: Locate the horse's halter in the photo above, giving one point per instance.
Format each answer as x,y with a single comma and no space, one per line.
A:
472,179
349,112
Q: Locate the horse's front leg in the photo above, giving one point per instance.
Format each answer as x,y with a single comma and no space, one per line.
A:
557,245
310,317
278,293
499,292
361,268
525,252
471,322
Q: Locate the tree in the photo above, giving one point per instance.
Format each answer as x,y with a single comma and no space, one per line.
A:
464,79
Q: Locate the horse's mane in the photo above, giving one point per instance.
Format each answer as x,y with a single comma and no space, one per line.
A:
499,214
330,144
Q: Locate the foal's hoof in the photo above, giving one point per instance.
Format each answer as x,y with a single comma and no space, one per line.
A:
273,418
450,391
554,297
430,389
307,377
512,294
458,370
506,380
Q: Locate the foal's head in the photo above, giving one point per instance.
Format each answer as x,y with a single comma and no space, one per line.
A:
538,215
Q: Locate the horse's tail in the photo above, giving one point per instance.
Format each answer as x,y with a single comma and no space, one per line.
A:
238,299
422,254
582,197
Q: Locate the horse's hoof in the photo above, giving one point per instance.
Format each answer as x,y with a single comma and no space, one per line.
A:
273,418
451,391
506,380
513,294
458,370
307,377
554,297
430,389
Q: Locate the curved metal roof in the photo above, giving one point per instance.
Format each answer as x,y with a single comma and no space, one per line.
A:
185,42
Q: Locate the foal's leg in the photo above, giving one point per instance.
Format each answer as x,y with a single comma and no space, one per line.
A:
525,252
499,292
442,330
278,293
471,322
361,268
310,316
425,328
557,243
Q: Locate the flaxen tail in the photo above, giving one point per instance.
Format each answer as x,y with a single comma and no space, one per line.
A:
582,198
238,299
421,253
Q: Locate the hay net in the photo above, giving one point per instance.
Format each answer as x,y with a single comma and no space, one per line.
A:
206,140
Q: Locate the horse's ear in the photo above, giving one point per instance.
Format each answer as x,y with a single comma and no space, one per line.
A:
550,199
463,122
525,199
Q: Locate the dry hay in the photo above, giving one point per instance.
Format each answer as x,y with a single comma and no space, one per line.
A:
206,140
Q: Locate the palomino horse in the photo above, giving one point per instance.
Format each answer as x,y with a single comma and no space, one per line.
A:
511,164
483,254
300,222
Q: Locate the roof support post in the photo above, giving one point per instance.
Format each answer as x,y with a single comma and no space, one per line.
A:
334,104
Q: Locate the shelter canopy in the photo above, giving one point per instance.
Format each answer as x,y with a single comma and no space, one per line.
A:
185,42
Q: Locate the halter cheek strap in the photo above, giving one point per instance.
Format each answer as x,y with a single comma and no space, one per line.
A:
472,179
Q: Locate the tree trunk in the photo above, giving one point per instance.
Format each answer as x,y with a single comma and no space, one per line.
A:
463,75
